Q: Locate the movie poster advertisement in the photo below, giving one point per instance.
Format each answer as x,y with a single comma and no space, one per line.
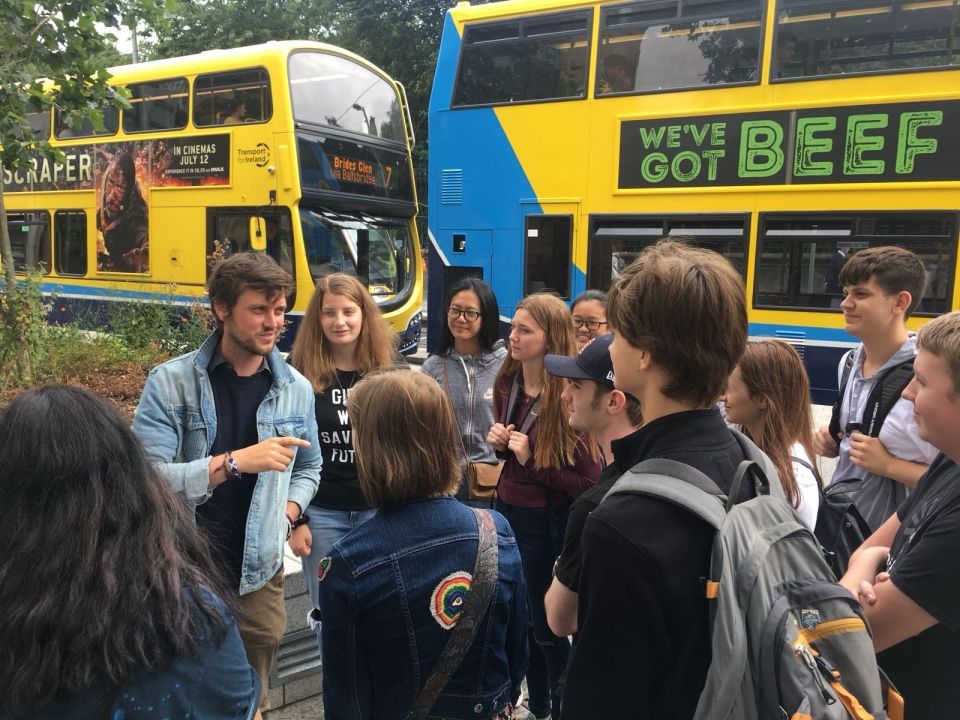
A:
122,174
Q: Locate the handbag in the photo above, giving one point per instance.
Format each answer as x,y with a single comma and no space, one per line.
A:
475,607
481,478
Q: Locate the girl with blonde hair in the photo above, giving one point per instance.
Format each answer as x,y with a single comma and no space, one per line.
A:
547,465
343,337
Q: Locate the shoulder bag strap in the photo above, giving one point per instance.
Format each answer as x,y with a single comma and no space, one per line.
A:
514,394
835,428
474,610
446,386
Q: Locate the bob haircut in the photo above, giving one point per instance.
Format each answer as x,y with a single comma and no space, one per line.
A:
376,345
489,315
124,585
686,306
244,271
406,438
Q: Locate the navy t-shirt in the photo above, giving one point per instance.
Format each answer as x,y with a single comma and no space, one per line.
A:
223,517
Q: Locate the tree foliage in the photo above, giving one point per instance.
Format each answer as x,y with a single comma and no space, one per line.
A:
61,45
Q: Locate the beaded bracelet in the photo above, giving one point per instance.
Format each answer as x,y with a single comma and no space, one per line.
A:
229,467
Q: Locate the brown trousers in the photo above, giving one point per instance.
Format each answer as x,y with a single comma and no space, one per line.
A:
262,622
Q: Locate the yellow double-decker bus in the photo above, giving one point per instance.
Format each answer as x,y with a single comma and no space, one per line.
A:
566,135
298,148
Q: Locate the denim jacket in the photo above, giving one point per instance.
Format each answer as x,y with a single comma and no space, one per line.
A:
176,420
390,594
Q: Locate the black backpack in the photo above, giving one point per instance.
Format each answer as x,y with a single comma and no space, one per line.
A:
840,527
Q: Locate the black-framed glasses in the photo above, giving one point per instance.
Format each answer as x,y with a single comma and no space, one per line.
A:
469,315
589,324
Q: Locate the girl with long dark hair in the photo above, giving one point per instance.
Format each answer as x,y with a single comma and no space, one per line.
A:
109,608
465,363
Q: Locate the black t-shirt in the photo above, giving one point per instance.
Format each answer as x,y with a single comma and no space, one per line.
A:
570,560
339,487
223,517
924,564
643,647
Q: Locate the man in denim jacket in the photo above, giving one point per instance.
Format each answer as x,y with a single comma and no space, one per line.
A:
232,428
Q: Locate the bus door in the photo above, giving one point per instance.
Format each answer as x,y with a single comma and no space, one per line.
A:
548,232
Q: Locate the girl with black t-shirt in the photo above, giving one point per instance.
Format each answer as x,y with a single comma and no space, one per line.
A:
342,337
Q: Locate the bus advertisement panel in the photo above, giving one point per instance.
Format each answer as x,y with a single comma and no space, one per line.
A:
776,132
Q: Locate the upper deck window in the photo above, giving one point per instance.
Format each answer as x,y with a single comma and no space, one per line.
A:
227,98
818,38
340,93
39,122
653,46
63,131
542,57
157,105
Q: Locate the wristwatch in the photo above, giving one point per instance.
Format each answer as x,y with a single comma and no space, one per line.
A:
302,520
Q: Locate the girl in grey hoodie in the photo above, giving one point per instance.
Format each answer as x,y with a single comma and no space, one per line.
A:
471,352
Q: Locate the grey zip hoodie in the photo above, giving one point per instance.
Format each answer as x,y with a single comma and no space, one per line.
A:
470,378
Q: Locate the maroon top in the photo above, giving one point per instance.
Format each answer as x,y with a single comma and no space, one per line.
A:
525,486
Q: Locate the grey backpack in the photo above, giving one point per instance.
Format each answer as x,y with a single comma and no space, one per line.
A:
787,640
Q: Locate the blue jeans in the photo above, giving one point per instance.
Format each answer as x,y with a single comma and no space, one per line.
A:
548,653
327,527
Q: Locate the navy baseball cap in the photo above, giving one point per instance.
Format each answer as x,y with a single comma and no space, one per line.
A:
593,363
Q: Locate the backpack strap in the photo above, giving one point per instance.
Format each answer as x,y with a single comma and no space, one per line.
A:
677,483
835,428
760,466
885,394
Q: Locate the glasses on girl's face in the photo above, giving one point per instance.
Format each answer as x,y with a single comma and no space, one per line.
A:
589,324
469,315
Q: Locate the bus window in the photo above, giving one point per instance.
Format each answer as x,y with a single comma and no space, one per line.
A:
377,250
615,242
534,58
70,242
831,38
650,47
64,131
799,256
549,248
232,97
158,105
359,100
229,233
30,241
39,122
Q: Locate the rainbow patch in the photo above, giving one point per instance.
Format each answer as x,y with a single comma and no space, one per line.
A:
323,567
446,603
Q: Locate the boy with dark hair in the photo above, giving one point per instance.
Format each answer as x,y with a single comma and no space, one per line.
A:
679,322
907,573
231,426
882,286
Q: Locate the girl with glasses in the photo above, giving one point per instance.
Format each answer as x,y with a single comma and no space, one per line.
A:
465,363
589,311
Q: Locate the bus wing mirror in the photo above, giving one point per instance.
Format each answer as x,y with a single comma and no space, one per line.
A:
258,234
